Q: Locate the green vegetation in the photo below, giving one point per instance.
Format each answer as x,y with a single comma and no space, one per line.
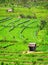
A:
18,28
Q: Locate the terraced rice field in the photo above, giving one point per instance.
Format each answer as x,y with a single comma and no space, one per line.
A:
15,34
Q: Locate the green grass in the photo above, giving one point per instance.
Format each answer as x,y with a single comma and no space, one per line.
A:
40,12
23,31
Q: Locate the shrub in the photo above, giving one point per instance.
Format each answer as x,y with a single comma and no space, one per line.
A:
22,16
34,62
2,63
28,16
40,59
42,24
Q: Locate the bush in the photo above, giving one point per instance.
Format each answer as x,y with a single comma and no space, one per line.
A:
2,63
40,59
22,16
34,62
28,16
42,24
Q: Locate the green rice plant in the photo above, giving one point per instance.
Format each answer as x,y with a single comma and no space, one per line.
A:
17,25
3,20
2,63
40,59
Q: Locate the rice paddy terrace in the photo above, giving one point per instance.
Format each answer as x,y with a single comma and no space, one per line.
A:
15,34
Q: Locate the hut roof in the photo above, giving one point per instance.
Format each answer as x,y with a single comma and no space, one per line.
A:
32,44
10,10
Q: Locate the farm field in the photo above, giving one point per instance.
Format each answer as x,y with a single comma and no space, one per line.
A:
16,34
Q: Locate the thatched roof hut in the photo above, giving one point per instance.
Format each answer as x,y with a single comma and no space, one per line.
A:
10,10
32,46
